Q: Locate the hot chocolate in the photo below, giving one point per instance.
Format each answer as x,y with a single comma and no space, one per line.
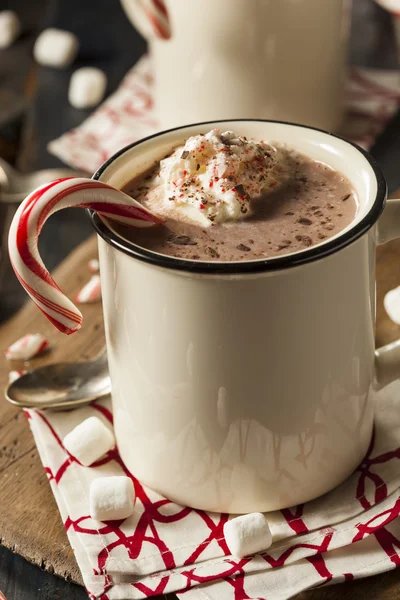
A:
249,201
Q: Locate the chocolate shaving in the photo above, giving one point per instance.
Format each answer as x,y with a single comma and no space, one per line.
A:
285,244
232,141
225,140
307,241
181,240
243,248
240,189
198,166
346,197
212,252
304,221
185,154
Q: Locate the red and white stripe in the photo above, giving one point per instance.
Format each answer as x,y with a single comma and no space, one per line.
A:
27,347
157,16
13,376
29,220
91,291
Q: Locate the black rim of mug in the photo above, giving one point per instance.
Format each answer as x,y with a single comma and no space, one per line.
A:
262,265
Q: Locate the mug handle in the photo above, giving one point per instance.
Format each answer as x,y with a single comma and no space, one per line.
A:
387,358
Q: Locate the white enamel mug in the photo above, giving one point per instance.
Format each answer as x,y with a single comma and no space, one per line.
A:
265,59
247,386
236,386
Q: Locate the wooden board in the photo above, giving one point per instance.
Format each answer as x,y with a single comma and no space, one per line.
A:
30,523
29,520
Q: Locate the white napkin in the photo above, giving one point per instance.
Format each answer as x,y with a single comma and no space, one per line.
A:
371,98
353,531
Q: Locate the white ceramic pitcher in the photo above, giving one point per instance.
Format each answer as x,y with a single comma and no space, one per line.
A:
266,59
247,386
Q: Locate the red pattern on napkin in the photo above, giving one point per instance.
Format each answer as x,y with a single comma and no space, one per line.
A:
165,547
127,115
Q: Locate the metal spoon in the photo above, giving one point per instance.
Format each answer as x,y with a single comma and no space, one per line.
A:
61,385
15,186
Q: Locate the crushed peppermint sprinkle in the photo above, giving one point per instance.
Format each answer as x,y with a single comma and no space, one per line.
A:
214,177
93,265
13,376
90,292
27,347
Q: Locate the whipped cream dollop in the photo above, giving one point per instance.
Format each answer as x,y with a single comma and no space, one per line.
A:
215,177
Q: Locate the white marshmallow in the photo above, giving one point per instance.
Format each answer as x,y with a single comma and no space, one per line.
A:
56,48
10,28
391,302
111,498
391,5
89,441
247,534
87,87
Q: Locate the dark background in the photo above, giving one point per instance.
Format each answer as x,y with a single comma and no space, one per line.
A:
34,110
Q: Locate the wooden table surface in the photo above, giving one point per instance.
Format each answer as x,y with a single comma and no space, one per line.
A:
34,110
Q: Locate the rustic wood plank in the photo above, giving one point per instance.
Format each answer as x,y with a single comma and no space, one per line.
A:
380,587
29,520
27,582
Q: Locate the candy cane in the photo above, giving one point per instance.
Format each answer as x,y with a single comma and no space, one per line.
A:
150,17
29,220
157,15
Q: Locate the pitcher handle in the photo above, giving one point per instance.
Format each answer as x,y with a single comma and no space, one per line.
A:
150,17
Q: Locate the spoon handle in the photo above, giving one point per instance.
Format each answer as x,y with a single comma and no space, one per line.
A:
101,357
